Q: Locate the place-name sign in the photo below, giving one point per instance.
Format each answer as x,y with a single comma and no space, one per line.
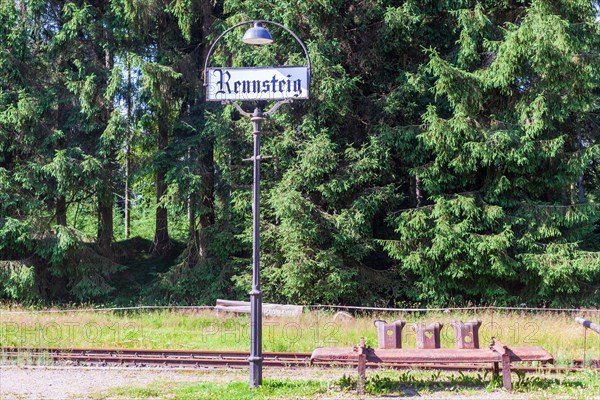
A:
268,83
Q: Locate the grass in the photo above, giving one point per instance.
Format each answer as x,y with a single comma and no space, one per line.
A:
584,384
165,329
580,385
239,390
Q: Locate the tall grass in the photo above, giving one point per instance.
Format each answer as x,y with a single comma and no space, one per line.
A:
557,332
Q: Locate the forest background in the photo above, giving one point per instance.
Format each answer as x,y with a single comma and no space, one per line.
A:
448,154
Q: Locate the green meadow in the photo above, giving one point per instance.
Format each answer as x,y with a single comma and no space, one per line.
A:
557,332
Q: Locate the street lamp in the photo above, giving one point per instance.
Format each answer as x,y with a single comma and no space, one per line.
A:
228,85
257,35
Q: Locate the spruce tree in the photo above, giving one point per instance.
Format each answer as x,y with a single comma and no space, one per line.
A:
341,158
507,217
448,152
48,114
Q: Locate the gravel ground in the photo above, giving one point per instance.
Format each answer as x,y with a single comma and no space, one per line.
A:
78,383
65,383
68,383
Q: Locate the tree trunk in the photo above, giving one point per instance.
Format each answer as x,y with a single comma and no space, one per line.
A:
207,201
191,209
105,215
127,194
61,211
192,253
105,208
580,189
206,161
416,191
105,192
162,243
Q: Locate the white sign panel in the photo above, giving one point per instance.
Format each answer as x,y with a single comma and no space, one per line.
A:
270,83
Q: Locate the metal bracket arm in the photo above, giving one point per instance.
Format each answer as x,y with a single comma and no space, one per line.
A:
265,115
276,106
239,108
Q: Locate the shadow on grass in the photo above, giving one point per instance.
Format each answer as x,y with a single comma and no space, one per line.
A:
411,383
383,384
415,383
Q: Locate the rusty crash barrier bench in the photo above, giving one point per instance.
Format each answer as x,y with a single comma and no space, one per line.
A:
496,354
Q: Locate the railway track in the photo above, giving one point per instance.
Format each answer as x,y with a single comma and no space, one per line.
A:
149,358
203,359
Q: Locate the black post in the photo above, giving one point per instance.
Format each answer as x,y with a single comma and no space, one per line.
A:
256,357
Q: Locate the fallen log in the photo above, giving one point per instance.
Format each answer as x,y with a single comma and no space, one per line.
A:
588,324
268,309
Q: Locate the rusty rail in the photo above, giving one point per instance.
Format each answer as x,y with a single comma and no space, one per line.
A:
496,353
222,359
143,357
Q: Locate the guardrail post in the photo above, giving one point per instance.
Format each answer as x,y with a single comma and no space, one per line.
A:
428,336
389,336
362,367
466,335
502,350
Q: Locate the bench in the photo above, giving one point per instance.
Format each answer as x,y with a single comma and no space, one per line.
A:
497,353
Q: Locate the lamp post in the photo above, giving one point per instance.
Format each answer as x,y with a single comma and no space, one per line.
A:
229,85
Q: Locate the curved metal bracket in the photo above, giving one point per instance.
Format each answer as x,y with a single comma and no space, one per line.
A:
265,115
212,47
276,106
239,108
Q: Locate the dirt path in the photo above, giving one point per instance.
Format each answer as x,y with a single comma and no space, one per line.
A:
58,383
77,383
